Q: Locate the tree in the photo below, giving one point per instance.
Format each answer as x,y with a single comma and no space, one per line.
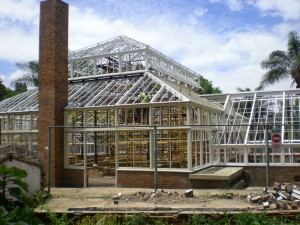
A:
5,92
16,207
243,90
208,87
31,72
11,181
283,64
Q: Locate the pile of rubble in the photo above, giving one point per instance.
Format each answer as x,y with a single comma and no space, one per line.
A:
159,196
164,197
280,196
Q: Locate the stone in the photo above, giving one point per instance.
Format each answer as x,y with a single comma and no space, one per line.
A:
266,204
153,195
289,188
294,205
189,193
296,191
159,193
276,186
281,205
273,206
256,199
229,195
284,195
296,195
272,192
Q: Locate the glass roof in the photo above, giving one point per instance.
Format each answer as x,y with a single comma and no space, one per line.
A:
134,90
247,114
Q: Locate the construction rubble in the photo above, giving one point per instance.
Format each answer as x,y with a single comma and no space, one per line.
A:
280,196
161,196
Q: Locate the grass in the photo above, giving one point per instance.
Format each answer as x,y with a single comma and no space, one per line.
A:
244,218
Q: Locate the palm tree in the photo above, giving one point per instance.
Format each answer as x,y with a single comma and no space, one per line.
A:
31,72
243,90
283,64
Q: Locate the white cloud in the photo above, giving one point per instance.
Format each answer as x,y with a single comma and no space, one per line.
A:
287,9
17,43
25,11
234,5
18,29
230,60
8,78
196,15
200,11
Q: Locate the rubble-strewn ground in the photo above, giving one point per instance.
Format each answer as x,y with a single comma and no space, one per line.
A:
163,197
279,196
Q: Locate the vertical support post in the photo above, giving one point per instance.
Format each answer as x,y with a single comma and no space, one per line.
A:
49,155
116,144
155,158
84,161
95,139
0,132
189,138
267,158
189,150
84,114
151,139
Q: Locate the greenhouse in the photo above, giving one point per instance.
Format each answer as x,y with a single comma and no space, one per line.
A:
131,108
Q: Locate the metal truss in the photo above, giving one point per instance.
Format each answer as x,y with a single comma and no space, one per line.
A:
124,56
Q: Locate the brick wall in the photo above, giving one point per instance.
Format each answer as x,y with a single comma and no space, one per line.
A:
53,83
73,178
256,175
145,179
253,175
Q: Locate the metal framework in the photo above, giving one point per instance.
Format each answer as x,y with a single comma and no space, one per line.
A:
119,90
248,117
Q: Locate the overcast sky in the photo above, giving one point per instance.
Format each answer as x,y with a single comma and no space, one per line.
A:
223,40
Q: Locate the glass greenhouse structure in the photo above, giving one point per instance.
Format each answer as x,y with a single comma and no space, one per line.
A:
130,106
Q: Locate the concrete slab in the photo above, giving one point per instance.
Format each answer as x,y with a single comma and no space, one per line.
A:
218,173
99,200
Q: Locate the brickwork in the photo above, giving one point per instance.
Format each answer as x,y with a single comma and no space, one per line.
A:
73,178
145,179
256,175
253,175
53,83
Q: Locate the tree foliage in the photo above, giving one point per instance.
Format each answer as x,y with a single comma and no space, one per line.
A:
208,87
5,92
30,73
283,64
16,207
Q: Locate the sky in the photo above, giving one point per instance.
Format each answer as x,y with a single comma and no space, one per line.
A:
223,40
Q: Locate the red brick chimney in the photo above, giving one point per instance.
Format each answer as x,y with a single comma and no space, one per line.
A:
53,84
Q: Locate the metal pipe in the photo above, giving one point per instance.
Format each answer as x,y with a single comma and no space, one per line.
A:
155,158
267,159
49,155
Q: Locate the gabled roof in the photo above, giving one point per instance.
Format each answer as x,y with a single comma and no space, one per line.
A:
139,90
114,45
24,102
122,56
136,90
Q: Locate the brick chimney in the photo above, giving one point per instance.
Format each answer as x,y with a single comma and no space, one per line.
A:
53,84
